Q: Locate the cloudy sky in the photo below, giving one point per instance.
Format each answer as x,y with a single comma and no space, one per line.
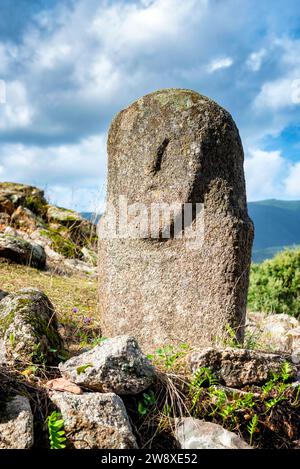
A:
70,65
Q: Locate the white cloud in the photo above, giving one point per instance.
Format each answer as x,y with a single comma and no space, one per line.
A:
270,175
283,91
296,91
264,171
292,182
218,64
255,60
16,112
276,94
65,171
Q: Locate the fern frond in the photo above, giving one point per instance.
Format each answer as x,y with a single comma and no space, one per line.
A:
56,431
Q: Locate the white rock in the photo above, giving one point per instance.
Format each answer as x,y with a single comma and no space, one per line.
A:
272,330
198,434
117,365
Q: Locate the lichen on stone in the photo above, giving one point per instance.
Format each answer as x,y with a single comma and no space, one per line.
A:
28,328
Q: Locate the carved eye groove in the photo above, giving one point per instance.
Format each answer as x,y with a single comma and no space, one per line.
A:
159,156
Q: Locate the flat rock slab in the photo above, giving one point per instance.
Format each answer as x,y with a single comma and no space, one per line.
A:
94,420
117,365
16,424
239,367
62,384
198,434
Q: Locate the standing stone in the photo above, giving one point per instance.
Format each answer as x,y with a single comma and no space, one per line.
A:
175,146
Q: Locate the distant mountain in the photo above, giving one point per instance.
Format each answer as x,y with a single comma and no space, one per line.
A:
91,216
277,226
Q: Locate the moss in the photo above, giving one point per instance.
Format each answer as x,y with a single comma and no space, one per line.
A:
63,215
46,343
36,205
62,245
6,321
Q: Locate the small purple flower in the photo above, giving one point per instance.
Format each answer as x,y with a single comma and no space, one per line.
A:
87,321
75,310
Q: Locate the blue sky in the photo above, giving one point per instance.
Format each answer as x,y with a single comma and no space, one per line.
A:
70,65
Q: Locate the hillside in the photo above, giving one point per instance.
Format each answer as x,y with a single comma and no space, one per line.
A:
277,225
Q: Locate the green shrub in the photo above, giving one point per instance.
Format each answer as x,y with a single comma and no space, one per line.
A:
275,284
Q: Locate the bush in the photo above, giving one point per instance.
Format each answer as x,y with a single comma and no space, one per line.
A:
275,284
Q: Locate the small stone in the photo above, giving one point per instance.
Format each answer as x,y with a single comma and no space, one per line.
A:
239,367
95,421
117,365
62,384
16,424
198,434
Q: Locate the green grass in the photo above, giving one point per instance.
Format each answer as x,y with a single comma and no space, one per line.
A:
65,293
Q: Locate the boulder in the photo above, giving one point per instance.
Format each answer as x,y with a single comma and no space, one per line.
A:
178,152
28,329
63,216
272,331
239,367
25,219
14,195
198,434
117,365
94,420
78,230
16,423
294,343
22,251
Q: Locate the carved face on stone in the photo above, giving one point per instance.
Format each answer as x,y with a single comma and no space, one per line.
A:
169,146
